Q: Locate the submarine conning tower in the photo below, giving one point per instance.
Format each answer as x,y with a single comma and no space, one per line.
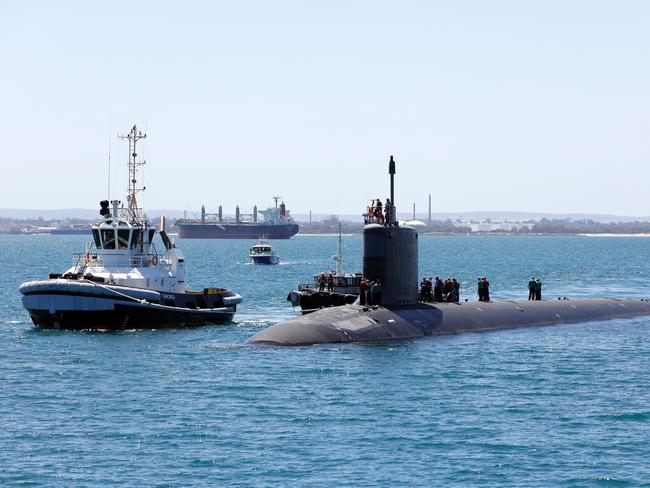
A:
390,254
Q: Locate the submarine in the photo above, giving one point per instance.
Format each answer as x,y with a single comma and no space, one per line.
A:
390,254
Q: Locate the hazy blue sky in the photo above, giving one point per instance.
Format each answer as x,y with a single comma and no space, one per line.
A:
489,105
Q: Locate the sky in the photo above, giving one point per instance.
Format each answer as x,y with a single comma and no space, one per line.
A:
500,105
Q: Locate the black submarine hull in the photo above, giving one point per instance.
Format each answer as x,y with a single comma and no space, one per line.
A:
390,260
354,323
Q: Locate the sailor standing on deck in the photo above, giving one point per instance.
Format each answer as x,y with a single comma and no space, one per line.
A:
480,290
371,212
486,290
387,211
378,213
437,290
531,289
330,282
538,289
423,290
321,282
363,291
375,291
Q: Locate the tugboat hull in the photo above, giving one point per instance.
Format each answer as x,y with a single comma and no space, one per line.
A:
124,317
77,305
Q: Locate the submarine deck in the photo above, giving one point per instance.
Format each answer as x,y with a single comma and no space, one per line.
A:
355,323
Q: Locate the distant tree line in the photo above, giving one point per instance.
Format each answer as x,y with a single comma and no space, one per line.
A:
588,226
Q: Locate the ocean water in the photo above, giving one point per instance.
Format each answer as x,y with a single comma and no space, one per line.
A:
567,405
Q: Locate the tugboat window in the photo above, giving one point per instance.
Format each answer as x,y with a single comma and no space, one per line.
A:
123,238
136,238
98,242
108,238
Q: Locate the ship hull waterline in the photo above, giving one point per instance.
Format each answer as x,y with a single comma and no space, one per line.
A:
355,323
236,231
127,317
80,304
266,260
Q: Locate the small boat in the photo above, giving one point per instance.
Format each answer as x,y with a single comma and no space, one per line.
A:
122,281
318,294
263,253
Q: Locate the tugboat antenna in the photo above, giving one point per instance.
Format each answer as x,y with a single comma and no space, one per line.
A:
134,136
109,161
339,255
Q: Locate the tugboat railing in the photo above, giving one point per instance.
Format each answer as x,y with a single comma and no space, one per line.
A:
138,261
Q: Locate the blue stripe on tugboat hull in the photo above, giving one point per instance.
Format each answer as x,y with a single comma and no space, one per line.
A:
126,316
235,231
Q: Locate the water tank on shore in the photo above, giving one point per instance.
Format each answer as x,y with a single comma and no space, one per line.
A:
390,254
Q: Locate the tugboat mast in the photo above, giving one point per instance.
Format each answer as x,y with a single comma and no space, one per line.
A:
339,258
134,136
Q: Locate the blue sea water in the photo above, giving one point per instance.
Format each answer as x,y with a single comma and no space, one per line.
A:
567,405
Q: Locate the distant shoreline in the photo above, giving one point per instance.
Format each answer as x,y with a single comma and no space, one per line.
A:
427,234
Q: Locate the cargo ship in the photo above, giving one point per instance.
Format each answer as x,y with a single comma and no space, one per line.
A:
276,224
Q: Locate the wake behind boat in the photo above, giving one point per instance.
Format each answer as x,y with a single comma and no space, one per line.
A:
122,281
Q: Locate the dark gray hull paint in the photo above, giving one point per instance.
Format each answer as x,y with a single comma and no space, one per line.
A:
353,323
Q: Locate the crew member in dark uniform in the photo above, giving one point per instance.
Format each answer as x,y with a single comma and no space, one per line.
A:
378,213
423,290
531,289
375,291
480,290
486,290
538,289
387,211
437,290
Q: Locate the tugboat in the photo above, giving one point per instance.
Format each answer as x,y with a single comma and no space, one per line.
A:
313,296
263,253
121,281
